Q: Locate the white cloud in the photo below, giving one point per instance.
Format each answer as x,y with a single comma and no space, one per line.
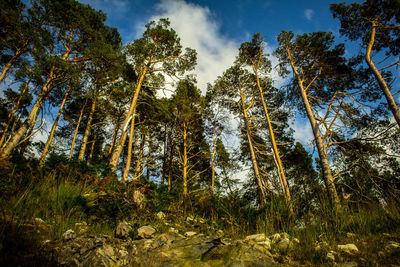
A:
198,30
309,13
302,131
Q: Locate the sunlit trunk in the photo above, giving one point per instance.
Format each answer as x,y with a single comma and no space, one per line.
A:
54,127
378,76
129,156
82,150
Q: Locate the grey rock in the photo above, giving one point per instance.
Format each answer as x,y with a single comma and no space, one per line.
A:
123,229
283,245
68,235
256,237
348,248
146,231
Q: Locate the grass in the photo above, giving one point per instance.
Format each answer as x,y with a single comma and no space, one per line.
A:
65,198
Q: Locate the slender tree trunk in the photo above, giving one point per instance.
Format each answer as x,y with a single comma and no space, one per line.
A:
213,162
31,119
131,113
12,60
92,148
252,153
279,165
378,76
11,115
171,156
82,150
164,165
76,130
33,114
114,137
149,157
129,156
53,128
323,157
185,161
140,157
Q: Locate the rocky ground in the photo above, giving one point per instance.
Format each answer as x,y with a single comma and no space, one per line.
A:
177,245
145,246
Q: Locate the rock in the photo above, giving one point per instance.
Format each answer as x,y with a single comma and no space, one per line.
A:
122,231
283,245
190,234
275,238
68,235
146,231
39,221
173,230
348,248
392,247
296,240
137,198
330,256
348,264
351,235
220,233
256,237
266,244
160,215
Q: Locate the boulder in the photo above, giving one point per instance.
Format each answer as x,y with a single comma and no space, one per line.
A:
123,230
256,237
190,234
68,235
348,248
283,245
146,231
160,215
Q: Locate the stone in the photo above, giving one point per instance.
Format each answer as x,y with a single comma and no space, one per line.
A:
39,221
348,264
137,198
122,231
146,231
160,215
275,238
68,235
296,240
330,256
190,234
266,244
348,248
351,235
283,245
173,230
392,247
256,237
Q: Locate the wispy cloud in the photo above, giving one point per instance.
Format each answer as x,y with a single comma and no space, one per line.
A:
198,29
309,14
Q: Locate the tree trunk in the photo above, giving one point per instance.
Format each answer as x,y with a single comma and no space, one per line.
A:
185,161
171,156
138,171
131,113
129,156
378,76
213,162
31,119
281,172
92,149
252,153
12,60
76,130
33,114
114,137
11,115
53,128
149,158
82,150
323,157
164,165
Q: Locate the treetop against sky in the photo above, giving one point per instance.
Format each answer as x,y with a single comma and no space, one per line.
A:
215,29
